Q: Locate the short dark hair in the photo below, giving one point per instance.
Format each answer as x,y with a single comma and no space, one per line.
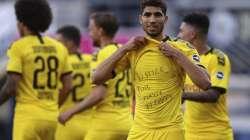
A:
35,14
198,20
71,33
154,3
107,21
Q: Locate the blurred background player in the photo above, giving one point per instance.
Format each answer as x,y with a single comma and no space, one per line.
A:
206,114
158,76
77,127
35,68
111,117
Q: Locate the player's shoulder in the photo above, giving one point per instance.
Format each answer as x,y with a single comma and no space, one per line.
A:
110,47
181,44
219,55
107,50
54,42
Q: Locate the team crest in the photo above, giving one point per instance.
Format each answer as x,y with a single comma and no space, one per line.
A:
220,75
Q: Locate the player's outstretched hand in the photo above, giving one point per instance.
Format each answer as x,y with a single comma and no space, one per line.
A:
135,43
64,117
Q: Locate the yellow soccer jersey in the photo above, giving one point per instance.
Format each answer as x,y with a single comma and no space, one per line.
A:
81,86
158,81
116,104
210,119
41,66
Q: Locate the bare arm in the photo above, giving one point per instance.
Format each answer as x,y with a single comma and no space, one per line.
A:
209,96
197,74
97,95
67,85
10,87
105,70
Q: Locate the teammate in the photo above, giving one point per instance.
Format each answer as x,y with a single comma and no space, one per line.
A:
35,67
206,115
77,127
158,66
111,117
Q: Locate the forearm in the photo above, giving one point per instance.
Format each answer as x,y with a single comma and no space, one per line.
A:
196,73
4,95
9,89
67,85
105,69
87,103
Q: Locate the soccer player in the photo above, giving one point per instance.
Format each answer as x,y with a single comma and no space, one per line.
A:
111,116
36,66
206,116
158,65
77,127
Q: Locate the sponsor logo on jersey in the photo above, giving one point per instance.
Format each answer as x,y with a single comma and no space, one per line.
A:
220,75
196,58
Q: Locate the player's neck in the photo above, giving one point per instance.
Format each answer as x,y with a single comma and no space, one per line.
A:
73,51
105,41
27,32
160,37
201,46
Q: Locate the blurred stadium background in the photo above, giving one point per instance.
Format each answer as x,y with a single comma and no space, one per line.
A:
229,31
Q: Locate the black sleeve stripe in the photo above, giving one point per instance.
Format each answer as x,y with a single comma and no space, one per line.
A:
220,89
201,66
14,72
66,73
113,74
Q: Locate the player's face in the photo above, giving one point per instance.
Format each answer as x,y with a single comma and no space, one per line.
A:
153,20
61,39
186,32
94,32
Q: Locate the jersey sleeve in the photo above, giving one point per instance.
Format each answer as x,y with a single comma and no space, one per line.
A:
220,73
188,50
14,63
102,55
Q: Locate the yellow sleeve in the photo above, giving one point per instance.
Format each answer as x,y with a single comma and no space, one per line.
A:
188,50
14,63
220,73
67,68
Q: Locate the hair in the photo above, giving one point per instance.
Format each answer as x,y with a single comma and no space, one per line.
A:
199,21
70,33
36,15
155,3
107,21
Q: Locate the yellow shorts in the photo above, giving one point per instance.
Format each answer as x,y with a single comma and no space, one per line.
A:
34,130
106,135
157,134
108,130
75,129
207,136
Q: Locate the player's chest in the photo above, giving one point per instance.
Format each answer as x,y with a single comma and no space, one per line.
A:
153,65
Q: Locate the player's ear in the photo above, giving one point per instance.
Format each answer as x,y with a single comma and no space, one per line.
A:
101,31
140,19
166,19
